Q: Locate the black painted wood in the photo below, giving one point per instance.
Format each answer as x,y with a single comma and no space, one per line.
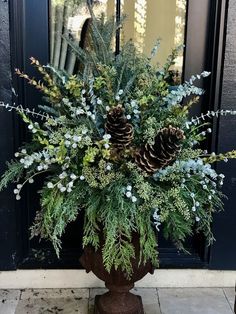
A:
197,33
118,17
9,248
223,252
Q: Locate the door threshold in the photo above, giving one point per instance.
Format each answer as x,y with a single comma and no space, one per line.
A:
162,278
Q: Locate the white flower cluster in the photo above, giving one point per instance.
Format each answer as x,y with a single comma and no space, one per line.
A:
119,94
33,127
197,166
108,166
106,138
83,109
191,165
196,205
128,193
156,219
86,109
93,98
177,95
73,140
208,175
19,187
66,182
202,134
17,191
133,111
199,76
43,159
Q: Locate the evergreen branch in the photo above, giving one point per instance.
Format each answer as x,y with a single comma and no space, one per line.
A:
171,60
49,110
98,38
13,173
58,212
85,57
81,53
155,49
56,72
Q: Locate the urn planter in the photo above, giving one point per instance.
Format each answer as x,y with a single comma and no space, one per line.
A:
119,299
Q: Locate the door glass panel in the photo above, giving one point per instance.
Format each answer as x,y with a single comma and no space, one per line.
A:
69,18
148,20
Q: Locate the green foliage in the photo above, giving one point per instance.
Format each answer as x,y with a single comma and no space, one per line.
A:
175,229
221,157
86,170
12,174
56,213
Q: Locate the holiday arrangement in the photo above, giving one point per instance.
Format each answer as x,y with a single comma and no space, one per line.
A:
116,141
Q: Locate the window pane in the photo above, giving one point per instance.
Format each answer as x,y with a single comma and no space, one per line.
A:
148,20
69,18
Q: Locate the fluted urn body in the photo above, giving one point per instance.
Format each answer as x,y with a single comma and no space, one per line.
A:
119,299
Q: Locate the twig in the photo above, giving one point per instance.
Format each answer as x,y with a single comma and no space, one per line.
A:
19,108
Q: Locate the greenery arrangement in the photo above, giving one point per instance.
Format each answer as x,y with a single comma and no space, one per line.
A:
116,141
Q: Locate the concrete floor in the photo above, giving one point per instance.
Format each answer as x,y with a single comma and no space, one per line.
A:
80,301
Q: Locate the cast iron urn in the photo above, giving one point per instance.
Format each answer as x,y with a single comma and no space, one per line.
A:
119,299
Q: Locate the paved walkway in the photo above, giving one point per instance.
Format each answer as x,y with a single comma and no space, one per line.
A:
80,301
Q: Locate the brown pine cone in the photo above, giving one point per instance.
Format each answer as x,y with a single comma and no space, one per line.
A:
167,145
118,127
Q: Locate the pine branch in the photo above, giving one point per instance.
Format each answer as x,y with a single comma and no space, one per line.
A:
57,212
155,49
49,110
14,172
57,73
171,60
81,53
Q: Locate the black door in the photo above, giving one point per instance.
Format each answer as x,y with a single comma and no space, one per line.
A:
32,23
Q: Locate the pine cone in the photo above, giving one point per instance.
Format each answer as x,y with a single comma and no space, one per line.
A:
118,127
151,158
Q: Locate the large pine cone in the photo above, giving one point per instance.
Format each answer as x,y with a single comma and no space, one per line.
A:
151,158
118,127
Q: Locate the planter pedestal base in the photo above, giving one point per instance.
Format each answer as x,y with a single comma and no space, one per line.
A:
118,300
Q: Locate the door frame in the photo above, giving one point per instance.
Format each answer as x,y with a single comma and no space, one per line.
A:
205,36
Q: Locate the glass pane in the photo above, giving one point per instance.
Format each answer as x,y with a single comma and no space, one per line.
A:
148,20
70,18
